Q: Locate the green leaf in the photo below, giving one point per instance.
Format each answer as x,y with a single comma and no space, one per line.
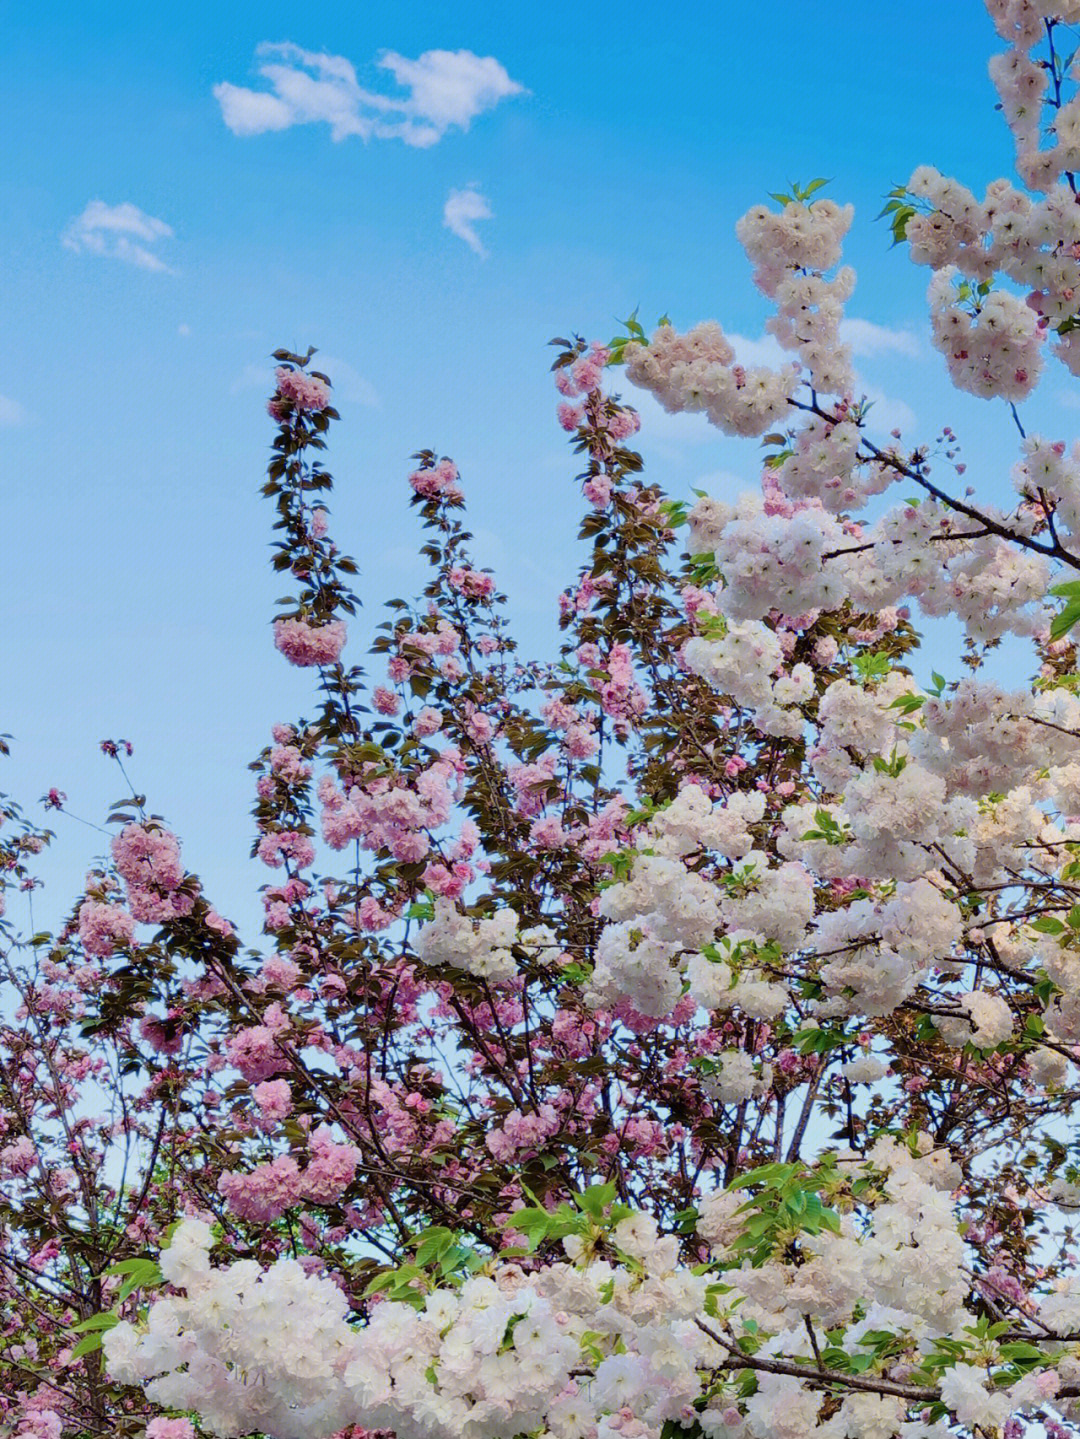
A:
96,1322
129,1266
435,1244
774,462
148,1277
893,766
594,1200
1020,1350
908,704
768,1174
87,1345
1064,621
1046,924
900,223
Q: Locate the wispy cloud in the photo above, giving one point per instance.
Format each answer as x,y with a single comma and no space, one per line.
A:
866,338
253,377
671,434
11,412
886,413
460,213
447,88
765,350
120,232
348,383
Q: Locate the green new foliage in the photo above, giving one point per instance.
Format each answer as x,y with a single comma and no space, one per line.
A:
675,512
788,1203
92,1329
871,666
894,765
828,828
703,569
138,1274
899,207
779,455
1070,612
423,909
820,1041
590,1214
799,193
634,332
908,704
617,346
442,1258
141,1274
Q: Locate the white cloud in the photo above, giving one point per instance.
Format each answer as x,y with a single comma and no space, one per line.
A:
451,87
446,88
11,412
660,429
253,377
253,112
866,338
885,414
460,213
121,232
348,384
765,350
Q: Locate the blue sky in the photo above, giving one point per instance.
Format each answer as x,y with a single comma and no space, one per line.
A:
615,146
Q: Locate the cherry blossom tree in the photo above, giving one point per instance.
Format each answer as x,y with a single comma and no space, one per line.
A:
677,1038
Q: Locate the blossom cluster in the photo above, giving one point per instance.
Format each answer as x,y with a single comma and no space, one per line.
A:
578,1346
696,372
147,858
575,971
791,251
306,644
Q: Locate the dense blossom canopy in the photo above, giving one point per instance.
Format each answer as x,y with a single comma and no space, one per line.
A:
682,1038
